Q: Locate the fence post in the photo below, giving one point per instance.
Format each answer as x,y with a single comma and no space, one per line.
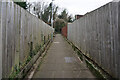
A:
0,44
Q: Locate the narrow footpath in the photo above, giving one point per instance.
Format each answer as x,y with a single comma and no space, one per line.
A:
61,62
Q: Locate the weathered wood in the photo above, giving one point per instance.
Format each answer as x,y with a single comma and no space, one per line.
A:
3,15
97,35
0,43
18,29
119,39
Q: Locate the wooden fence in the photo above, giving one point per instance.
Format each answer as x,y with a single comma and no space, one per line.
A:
97,35
19,32
0,45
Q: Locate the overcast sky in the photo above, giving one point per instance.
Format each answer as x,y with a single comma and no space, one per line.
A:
79,6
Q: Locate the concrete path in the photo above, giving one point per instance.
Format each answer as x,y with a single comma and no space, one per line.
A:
61,62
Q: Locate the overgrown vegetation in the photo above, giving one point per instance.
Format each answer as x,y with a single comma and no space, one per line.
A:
94,71
17,68
15,71
59,24
62,19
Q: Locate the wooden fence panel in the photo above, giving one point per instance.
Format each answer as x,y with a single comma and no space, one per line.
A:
96,34
18,28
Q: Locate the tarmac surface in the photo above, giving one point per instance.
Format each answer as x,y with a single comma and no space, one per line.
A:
61,62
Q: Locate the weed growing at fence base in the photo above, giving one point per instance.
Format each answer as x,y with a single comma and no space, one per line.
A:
94,71
16,69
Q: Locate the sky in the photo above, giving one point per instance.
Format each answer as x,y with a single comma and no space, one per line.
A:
80,7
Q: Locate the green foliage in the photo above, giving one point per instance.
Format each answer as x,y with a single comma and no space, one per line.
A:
62,20
16,69
46,15
94,71
64,15
21,3
28,59
59,24
15,72
70,19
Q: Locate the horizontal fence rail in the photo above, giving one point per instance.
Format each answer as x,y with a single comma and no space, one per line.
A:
20,33
97,35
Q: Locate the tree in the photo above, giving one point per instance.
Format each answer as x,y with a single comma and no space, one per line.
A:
59,24
21,3
44,11
29,6
47,13
64,15
39,8
62,20
70,19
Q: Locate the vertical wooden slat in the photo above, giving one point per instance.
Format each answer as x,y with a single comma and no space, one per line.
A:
8,38
119,40
17,38
0,42
3,22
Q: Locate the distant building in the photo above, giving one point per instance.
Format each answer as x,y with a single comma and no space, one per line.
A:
78,16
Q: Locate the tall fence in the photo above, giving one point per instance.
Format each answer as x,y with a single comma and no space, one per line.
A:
0,45
97,35
19,32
